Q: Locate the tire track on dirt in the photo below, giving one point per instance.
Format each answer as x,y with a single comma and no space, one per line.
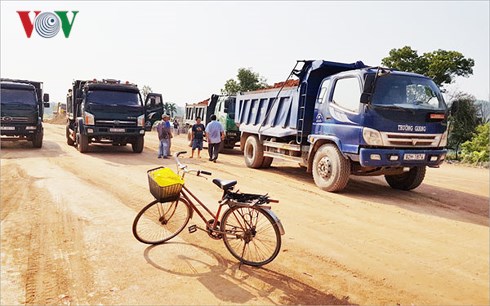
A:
49,237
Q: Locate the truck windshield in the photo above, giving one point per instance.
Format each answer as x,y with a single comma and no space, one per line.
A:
17,96
409,92
113,97
230,105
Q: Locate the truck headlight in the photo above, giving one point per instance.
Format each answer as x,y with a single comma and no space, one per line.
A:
372,137
443,142
88,118
141,120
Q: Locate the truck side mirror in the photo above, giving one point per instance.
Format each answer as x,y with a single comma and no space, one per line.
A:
46,97
365,98
46,104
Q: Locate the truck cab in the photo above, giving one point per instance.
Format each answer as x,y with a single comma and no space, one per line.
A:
108,111
225,114
384,122
224,109
22,111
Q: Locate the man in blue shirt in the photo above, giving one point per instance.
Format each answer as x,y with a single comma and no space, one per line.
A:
214,134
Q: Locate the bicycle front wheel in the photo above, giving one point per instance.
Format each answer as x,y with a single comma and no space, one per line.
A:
159,222
251,235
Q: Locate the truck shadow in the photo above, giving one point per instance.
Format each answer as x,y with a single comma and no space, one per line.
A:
233,284
24,149
124,155
427,199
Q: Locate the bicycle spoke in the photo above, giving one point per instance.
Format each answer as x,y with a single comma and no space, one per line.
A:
159,222
251,235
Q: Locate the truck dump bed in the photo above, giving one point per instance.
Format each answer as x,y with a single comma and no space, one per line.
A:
257,113
292,113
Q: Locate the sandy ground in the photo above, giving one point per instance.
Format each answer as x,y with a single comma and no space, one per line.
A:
66,234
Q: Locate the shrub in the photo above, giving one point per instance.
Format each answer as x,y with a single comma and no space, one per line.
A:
476,150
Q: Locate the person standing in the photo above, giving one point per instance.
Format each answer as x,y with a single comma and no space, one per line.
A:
164,135
197,137
176,126
215,134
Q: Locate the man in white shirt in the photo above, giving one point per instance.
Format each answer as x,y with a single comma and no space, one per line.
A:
214,134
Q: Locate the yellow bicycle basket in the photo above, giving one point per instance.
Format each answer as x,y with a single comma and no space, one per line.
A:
165,185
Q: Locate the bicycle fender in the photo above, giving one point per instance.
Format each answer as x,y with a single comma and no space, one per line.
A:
276,220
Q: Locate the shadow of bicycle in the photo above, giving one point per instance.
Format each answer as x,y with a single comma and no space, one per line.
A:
232,283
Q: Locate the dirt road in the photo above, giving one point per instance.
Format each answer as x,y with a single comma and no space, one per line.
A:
66,234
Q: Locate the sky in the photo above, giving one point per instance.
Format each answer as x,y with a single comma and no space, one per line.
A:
187,50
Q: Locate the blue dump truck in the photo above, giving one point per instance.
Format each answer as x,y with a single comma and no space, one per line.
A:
347,119
22,108
109,111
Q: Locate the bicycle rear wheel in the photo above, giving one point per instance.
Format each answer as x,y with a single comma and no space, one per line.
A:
159,222
251,235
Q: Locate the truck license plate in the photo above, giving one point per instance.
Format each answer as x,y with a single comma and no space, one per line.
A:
7,128
116,130
410,156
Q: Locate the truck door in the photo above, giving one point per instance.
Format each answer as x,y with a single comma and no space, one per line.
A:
153,109
344,110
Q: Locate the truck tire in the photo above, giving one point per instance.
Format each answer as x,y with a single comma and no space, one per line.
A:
69,141
138,145
229,144
267,162
37,139
82,143
253,152
331,170
408,180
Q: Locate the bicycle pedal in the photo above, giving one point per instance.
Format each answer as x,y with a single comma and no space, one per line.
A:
192,229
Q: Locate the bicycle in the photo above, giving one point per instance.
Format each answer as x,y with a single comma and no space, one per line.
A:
250,230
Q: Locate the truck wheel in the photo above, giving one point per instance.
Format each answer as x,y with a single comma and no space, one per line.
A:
330,169
37,139
138,144
82,143
253,152
229,144
69,141
408,180
267,162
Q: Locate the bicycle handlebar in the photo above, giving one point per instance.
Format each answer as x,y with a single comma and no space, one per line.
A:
184,167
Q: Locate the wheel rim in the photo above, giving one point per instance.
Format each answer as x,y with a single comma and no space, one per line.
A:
249,151
250,236
160,222
325,168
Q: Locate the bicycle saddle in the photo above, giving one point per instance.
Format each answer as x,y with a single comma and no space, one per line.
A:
225,185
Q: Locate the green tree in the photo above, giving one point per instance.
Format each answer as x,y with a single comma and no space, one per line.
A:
440,65
477,149
231,87
247,80
169,108
463,120
145,90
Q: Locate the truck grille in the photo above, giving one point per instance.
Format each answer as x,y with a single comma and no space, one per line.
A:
115,123
14,119
411,140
